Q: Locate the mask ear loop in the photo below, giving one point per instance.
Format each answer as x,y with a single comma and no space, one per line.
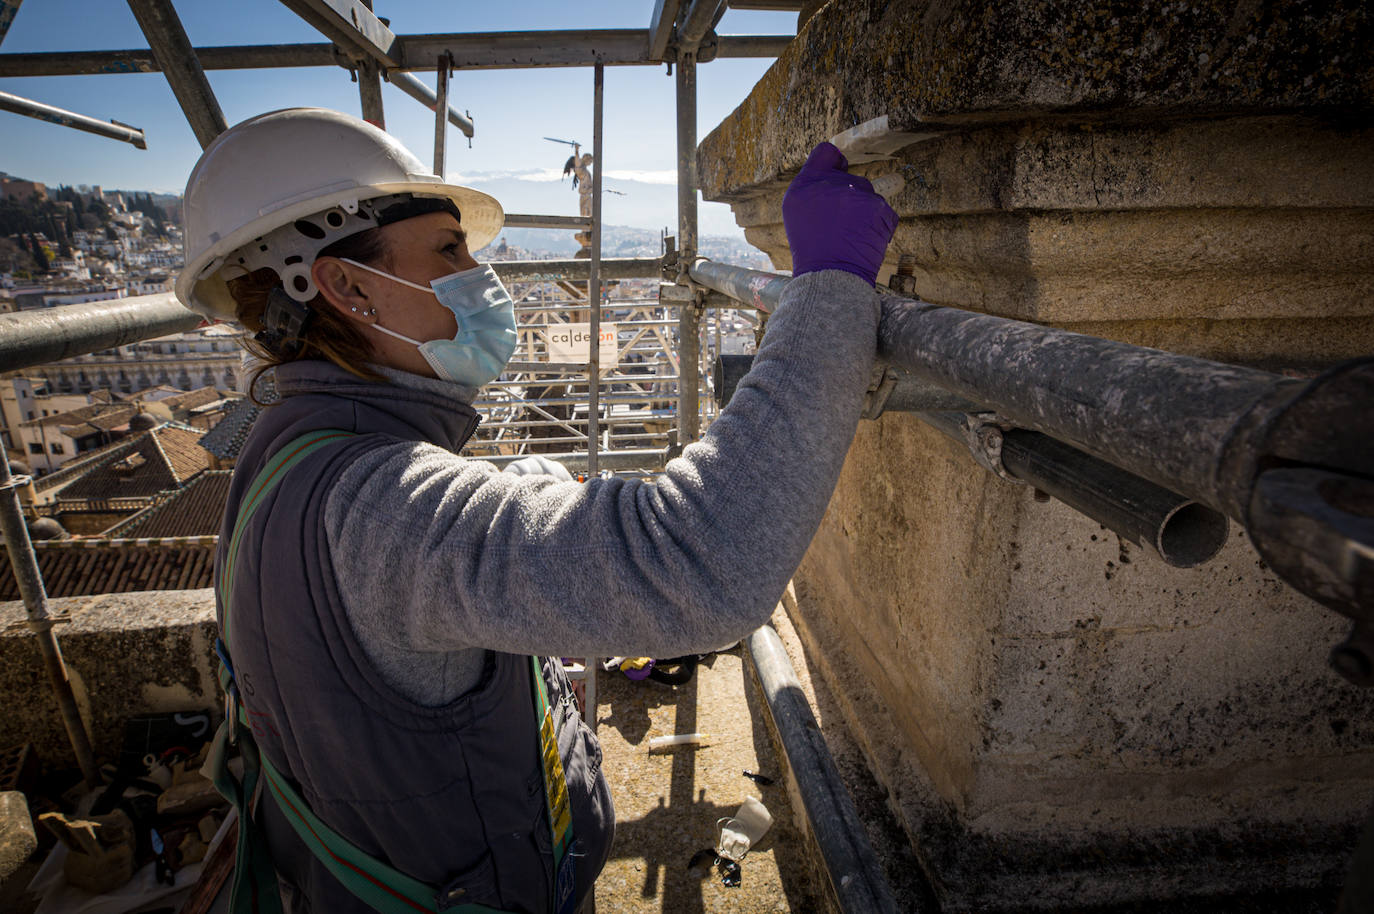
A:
399,336
404,282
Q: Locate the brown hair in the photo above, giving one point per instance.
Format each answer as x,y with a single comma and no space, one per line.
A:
328,335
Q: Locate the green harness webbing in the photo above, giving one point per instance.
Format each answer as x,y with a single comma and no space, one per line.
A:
373,881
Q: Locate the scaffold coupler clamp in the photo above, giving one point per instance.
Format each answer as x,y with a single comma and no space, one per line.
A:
880,386
984,434
15,483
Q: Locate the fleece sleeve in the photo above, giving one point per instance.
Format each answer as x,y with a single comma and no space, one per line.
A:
433,552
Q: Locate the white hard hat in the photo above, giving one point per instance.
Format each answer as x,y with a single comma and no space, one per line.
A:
281,168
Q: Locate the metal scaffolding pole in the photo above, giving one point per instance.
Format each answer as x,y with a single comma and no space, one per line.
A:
661,27
177,59
493,51
700,18
370,94
416,89
351,25
853,869
575,270
369,76
689,318
112,129
51,334
594,279
26,574
440,110
8,10
141,60
569,48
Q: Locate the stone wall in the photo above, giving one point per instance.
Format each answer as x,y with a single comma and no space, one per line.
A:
126,654
1060,718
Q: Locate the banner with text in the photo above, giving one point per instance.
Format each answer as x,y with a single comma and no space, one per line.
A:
572,343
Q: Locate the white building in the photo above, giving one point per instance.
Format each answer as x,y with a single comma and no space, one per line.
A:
204,357
26,400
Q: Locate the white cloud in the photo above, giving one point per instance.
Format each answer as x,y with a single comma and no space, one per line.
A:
528,174
549,175
644,177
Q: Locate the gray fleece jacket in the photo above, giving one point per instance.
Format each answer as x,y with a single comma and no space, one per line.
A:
440,558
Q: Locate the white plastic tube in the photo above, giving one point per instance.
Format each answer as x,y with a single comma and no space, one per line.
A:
677,739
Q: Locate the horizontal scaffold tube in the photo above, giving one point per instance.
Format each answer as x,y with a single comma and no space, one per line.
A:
491,50
412,86
1177,529
42,112
1169,418
573,270
52,334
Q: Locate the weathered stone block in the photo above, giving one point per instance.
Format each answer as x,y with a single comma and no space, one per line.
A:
126,653
18,840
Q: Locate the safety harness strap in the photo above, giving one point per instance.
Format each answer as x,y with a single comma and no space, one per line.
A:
373,881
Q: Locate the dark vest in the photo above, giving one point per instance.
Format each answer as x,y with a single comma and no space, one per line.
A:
451,795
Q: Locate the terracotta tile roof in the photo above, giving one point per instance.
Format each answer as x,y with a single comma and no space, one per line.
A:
191,399
226,439
80,464
74,568
146,393
195,510
181,445
160,459
108,414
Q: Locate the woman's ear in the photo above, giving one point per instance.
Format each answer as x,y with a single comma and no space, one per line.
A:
338,283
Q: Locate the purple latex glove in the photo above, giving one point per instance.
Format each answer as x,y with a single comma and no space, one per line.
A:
834,220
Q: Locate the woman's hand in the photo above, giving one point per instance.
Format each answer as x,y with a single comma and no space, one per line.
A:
834,220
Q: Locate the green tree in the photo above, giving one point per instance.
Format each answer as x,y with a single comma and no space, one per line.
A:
40,256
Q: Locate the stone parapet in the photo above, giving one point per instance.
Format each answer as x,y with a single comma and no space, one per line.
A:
1061,719
126,653
930,65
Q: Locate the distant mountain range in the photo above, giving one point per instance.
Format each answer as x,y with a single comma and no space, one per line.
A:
624,241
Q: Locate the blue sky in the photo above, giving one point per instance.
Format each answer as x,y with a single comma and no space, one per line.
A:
512,109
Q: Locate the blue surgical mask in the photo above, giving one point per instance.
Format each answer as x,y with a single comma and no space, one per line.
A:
486,335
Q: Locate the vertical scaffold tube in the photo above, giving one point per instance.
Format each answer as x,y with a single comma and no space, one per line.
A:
594,280
689,318
440,112
370,89
26,574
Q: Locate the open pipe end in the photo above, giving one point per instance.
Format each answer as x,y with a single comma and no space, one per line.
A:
1190,535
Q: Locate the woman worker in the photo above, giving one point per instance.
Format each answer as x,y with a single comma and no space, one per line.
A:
386,605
